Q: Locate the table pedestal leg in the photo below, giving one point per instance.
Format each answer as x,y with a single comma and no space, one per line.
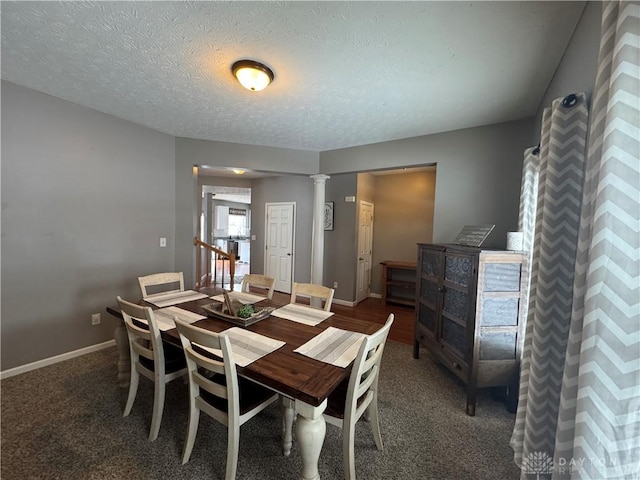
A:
124,356
288,414
310,431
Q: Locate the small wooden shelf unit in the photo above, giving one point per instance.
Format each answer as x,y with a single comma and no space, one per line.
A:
399,282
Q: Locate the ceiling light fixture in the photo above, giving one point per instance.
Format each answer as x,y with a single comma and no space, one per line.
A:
238,171
252,75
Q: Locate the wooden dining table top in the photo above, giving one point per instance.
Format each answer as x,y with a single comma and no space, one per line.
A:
292,374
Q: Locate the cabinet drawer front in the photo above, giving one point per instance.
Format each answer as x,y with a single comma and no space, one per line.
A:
500,311
501,277
497,345
458,270
426,338
454,363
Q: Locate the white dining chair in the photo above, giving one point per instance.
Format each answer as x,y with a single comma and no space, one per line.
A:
262,282
216,389
167,282
352,399
151,358
312,291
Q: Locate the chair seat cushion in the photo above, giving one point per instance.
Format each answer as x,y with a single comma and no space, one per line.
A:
173,359
251,395
338,399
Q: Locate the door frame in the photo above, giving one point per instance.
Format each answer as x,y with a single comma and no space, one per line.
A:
293,238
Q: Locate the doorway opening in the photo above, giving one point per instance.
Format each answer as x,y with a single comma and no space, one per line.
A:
225,223
404,200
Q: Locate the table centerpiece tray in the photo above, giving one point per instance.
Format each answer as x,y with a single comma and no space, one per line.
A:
222,312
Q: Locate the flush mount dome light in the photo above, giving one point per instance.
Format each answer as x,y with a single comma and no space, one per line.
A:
252,75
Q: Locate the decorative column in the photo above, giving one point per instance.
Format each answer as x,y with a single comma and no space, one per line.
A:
317,238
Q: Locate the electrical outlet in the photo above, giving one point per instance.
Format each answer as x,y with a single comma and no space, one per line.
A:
335,284
95,319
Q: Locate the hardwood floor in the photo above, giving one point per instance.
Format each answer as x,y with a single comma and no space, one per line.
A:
375,310
220,268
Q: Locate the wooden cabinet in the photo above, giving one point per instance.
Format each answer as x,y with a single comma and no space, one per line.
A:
469,310
399,282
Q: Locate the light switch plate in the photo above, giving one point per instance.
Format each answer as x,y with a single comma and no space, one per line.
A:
163,242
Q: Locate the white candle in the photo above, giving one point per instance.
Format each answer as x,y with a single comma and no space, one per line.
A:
515,241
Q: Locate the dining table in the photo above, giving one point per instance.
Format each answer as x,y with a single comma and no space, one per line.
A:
304,383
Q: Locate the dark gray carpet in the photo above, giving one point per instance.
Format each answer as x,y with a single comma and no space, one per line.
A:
65,421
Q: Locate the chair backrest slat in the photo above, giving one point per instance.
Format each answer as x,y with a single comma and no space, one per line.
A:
366,367
366,381
140,347
260,281
158,279
191,336
313,290
213,388
143,341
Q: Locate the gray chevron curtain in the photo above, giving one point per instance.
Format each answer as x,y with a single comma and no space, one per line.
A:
528,203
579,406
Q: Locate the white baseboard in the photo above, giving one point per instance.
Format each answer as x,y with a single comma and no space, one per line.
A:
52,360
346,303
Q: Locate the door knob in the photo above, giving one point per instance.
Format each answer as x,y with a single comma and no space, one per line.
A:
288,254
361,259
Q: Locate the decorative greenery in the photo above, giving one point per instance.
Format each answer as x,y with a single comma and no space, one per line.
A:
246,311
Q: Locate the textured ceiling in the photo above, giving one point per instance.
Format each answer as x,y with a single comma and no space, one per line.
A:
346,73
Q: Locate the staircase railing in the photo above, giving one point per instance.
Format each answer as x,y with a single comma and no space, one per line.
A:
208,254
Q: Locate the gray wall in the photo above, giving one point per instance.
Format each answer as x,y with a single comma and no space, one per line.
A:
298,189
340,243
403,217
366,188
85,200
578,68
190,152
478,173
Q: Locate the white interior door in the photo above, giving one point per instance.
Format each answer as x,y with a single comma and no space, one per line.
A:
365,247
279,240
